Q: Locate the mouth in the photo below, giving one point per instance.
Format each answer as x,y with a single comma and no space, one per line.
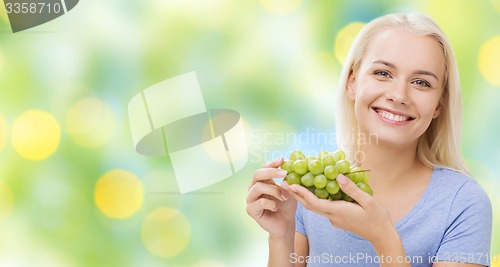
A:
392,115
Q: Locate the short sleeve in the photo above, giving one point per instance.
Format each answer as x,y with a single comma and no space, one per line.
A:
299,219
468,236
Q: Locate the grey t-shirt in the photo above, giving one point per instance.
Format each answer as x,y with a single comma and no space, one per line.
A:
451,222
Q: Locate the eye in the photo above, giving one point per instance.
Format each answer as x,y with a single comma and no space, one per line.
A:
382,73
422,83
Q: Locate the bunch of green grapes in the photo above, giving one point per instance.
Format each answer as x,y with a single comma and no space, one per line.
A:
319,174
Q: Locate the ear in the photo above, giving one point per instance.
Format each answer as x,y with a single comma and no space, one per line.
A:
437,111
351,82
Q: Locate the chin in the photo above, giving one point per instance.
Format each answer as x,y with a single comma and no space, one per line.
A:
391,138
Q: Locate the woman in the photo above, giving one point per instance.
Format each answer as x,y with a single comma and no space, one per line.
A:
399,83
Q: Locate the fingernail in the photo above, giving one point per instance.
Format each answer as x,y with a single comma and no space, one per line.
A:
277,160
341,179
285,185
284,197
281,173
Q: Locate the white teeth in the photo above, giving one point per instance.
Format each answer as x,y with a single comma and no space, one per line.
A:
391,116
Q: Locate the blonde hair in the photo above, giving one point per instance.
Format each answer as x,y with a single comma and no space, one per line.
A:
440,144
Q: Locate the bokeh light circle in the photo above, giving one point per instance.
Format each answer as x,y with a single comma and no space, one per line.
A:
489,60
56,197
166,232
495,260
4,130
345,38
35,134
119,194
6,202
280,6
91,122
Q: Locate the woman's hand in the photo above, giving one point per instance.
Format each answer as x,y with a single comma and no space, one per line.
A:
367,219
269,204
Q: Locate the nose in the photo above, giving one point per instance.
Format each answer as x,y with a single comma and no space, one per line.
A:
398,94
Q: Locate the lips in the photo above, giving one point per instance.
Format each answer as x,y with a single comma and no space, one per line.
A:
393,115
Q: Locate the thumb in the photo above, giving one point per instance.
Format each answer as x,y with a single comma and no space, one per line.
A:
352,190
274,164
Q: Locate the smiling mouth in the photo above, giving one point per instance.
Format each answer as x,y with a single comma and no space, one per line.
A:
391,116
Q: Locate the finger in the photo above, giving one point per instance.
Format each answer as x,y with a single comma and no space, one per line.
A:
284,192
256,209
321,206
260,189
293,190
274,164
353,190
266,174
286,187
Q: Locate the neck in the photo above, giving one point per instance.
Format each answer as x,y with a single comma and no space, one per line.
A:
389,164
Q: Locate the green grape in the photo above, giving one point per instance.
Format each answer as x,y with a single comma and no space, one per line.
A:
300,167
342,166
321,193
310,158
355,177
328,160
292,178
361,177
322,153
287,165
307,179
332,187
319,174
315,167
331,172
355,169
338,155
364,177
366,188
320,181
296,155
337,196
346,197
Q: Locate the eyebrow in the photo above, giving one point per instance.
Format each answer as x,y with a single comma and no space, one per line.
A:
421,72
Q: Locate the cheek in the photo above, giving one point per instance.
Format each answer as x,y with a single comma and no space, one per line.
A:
364,100
428,106
367,93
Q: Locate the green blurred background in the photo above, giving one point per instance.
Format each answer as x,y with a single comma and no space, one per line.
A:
73,191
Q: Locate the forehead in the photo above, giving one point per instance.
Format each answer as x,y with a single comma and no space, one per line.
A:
407,50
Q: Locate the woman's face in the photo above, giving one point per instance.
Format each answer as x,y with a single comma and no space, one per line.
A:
398,86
